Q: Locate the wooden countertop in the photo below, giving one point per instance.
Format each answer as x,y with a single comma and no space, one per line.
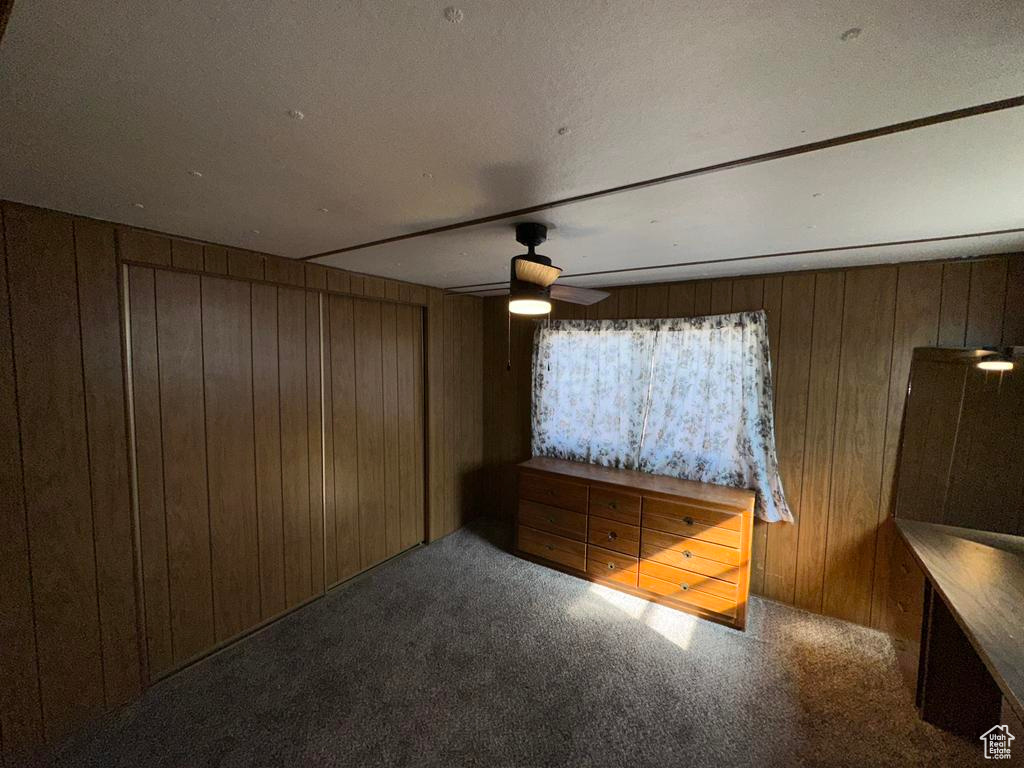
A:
980,575
643,481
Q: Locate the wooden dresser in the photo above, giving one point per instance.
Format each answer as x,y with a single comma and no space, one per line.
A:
675,542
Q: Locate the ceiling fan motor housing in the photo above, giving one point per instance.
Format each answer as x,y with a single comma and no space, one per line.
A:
531,234
522,288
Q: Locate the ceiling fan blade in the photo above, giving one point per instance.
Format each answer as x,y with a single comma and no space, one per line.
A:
538,274
574,295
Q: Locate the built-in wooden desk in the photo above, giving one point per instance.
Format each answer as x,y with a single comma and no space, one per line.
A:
972,636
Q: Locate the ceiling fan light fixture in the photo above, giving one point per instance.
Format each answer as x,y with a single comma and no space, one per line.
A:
529,306
528,299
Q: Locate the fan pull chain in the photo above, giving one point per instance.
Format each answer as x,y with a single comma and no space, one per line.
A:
508,347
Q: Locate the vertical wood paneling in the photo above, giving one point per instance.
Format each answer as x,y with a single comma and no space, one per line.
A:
314,435
1013,305
826,336
215,259
183,436
408,432
291,321
330,504
916,323
793,373
102,362
956,285
245,264
747,294
235,522
317,276
346,472
985,302
627,304
149,470
287,271
338,281
680,299
652,300
435,414
419,488
55,463
20,708
859,442
186,255
373,286
453,488
234,535
370,432
145,247
702,298
389,388
267,434
607,308
721,296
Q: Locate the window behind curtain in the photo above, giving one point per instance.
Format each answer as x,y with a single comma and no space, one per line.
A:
688,398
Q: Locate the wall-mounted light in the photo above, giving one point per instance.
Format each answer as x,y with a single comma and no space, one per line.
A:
995,364
998,360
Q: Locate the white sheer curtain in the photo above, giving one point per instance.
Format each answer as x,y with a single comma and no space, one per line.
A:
689,398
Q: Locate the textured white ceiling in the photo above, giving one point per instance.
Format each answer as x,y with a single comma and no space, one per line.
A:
104,104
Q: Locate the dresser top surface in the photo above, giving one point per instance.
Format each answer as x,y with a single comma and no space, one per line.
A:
643,482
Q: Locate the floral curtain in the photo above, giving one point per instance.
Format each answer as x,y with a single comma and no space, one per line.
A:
690,398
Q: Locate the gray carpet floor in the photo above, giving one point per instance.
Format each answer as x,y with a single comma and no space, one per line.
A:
459,654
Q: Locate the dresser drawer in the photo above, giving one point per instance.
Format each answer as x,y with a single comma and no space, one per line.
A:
611,534
698,581
906,581
615,505
572,525
611,566
682,510
554,492
687,520
676,592
558,549
687,560
699,549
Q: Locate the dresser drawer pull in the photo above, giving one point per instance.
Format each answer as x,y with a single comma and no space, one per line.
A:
687,554
684,586
550,519
688,520
899,607
551,491
550,546
611,566
612,505
904,569
612,535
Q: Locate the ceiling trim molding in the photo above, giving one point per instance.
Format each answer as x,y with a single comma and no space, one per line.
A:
778,154
481,287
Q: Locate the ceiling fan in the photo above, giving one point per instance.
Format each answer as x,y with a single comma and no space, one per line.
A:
531,284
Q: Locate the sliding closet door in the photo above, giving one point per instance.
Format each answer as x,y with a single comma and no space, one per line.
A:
376,398
226,422
278,446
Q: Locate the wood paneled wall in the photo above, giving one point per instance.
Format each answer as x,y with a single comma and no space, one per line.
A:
225,356
841,343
